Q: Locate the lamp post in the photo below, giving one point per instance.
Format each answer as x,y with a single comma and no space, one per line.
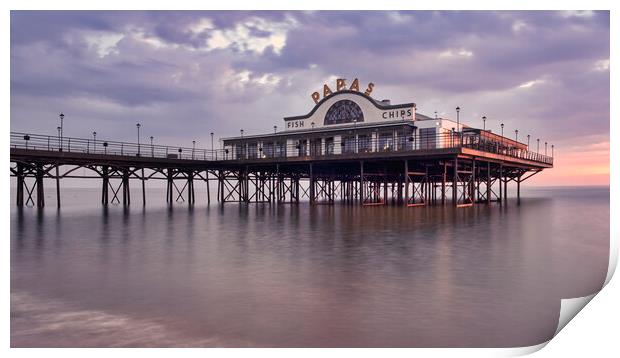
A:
452,138
528,142
537,145
502,125
138,126
516,135
94,142
484,123
545,148
211,142
62,117
552,146
193,148
458,119
435,114
242,144
152,148
312,125
275,129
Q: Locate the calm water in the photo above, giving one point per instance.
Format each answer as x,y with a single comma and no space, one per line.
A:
300,275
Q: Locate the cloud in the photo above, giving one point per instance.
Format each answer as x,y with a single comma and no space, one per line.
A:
529,84
601,65
543,72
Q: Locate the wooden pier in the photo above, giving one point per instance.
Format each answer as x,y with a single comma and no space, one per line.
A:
461,173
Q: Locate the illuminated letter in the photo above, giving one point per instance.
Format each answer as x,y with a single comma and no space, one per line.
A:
340,85
369,89
326,91
355,86
316,96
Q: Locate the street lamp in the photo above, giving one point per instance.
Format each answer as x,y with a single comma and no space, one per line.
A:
516,135
435,114
138,126
241,133
94,141
528,142
312,125
552,146
502,125
62,117
545,148
458,120
211,141
537,145
275,129
152,148
193,148
484,123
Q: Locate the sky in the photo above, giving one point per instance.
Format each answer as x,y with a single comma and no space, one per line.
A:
184,74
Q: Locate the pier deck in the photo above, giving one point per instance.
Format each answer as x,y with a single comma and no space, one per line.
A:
452,171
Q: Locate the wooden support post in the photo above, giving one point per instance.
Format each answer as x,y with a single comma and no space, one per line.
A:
169,187
278,184
455,187
104,185
443,183
312,183
143,189
40,191
125,184
57,186
501,175
20,184
190,188
427,187
472,193
361,191
488,183
406,201
208,189
506,189
246,180
297,190
220,177
519,190
385,190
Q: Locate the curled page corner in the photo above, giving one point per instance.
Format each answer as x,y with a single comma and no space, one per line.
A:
569,309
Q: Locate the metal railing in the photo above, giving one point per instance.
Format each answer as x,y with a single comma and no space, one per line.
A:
108,147
321,147
253,150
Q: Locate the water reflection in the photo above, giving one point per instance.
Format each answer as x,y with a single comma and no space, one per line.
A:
291,275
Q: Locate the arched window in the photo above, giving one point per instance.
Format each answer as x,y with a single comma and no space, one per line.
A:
344,111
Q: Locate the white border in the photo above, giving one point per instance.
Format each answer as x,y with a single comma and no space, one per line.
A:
594,327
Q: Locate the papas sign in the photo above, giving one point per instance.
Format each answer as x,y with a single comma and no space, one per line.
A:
342,85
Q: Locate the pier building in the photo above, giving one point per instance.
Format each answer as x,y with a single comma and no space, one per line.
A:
349,148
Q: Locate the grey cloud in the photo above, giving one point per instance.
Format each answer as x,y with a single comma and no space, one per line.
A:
181,88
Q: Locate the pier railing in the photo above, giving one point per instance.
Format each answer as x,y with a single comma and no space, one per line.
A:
108,147
255,150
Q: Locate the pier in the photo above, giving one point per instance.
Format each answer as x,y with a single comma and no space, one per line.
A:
458,169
